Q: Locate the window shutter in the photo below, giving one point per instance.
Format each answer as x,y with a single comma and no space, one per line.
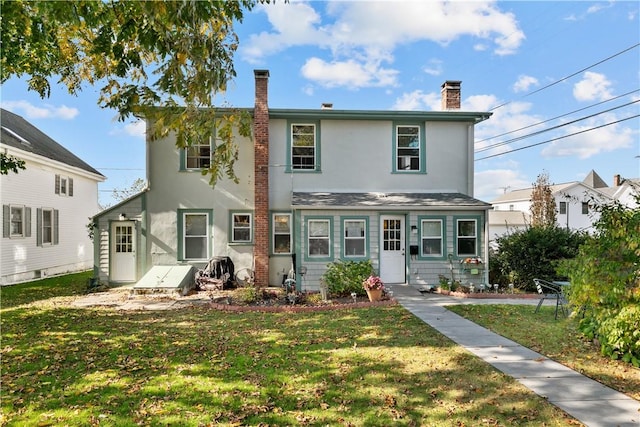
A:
27,222
38,227
70,190
57,190
55,226
6,222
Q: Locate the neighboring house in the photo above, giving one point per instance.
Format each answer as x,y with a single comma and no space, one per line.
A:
316,186
574,204
46,207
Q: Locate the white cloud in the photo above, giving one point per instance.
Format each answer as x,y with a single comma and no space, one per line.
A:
492,183
594,86
524,83
363,35
44,111
433,67
350,74
418,101
136,129
592,142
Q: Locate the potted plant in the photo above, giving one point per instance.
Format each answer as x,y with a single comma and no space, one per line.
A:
374,287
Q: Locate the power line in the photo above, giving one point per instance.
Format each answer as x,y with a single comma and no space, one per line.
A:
558,138
558,117
519,138
569,76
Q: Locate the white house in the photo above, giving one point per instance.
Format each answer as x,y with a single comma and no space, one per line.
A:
574,204
46,207
316,186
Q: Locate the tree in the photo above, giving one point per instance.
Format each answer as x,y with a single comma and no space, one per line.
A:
10,164
187,45
543,205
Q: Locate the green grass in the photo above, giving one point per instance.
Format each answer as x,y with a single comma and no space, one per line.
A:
558,339
376,366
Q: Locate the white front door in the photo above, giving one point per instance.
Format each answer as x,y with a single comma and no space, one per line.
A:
392,259
123,252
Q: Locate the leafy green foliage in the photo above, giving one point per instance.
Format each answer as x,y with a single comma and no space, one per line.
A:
605,279
532,253
346,277
176,54
10,164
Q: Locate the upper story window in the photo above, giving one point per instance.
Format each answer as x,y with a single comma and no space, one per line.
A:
198,156
241,224
585,208
432,237
409,148
467,237
281,228
64,185
562,210
304,147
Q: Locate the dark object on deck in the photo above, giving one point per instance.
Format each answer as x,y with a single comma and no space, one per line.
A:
218,274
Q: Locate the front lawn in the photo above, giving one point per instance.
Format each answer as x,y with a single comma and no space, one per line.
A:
374,366
557,339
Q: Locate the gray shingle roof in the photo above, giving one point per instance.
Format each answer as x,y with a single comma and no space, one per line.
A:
19,133
387,200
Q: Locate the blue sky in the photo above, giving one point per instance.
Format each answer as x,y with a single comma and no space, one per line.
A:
572,65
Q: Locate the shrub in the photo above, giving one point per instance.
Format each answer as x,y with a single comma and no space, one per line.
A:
346,277
620,335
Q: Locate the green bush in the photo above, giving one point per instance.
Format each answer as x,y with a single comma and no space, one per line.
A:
605,279
345,277
620,335
534,252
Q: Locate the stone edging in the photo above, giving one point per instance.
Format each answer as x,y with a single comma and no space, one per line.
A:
488,295
298,308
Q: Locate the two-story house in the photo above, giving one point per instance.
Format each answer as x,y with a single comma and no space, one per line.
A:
45,207
316,186
574,204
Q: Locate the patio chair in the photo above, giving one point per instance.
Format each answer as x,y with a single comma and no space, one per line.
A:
551,291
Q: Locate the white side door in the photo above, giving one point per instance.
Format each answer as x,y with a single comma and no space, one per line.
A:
123,252
392,253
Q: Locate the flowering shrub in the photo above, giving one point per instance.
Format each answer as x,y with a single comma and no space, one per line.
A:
373,283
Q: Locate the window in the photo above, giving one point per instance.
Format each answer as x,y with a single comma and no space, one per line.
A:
63,185
303,147
431,230
408,148
585,208
563,208
318,238
47,226
16,221
195,228
198,156
281,226
354,238
467,236
241,227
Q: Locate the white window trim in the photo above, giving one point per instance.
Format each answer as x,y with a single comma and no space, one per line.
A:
327,237
474,237
186,156
315,147
363,238
22,221
42,226
418,147
185,236
423,237
234,228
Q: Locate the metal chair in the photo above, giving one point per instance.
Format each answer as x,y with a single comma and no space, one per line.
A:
551,291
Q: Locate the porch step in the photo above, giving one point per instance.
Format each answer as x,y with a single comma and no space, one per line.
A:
166,279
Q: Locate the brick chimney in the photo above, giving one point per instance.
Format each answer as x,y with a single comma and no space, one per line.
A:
261,180
451,95
616,180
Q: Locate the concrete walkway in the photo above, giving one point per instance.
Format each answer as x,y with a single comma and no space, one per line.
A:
590,402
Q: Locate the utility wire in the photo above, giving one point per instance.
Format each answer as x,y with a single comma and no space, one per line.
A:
560,137
569,76
519,138
559,117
